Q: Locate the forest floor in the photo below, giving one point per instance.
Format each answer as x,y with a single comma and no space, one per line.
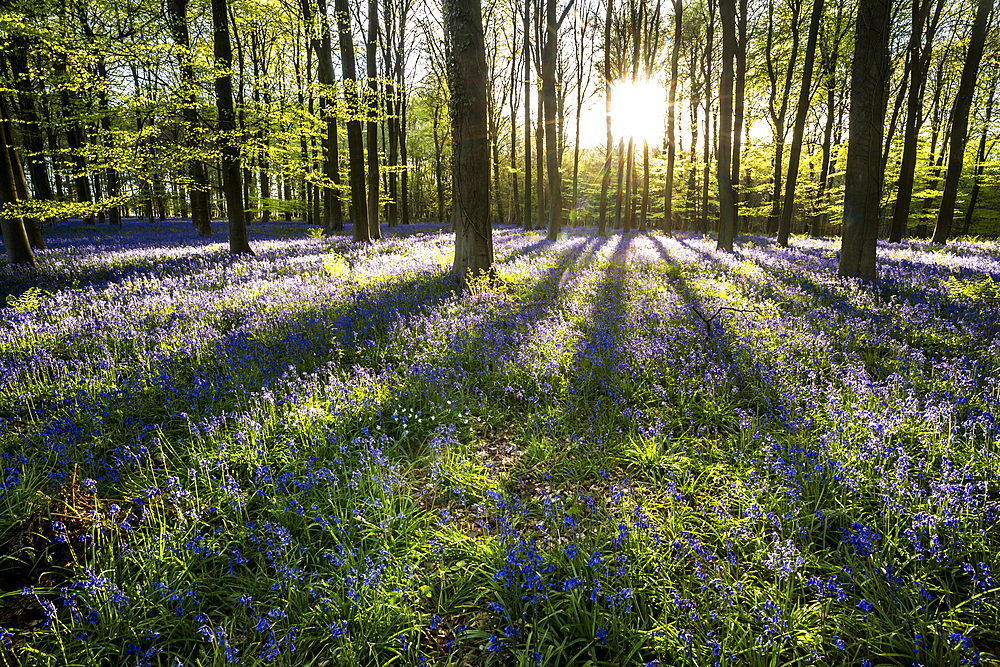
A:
625,450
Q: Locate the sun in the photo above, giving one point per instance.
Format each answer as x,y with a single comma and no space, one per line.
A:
638,109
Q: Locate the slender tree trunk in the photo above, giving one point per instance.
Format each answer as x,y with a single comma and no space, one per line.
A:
402,157
795,152
515,209
372,112
438,166
739,95
778,115
333,218
15,237
246,157
914,104
31,128
31,224
870,72
668,210
392,127
602,224
980,162
709,36
355,145
528,224
81,180
727,195
618,188
554,196
231,181
629,181
960,122
693,194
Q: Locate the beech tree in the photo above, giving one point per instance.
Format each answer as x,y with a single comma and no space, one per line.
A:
15,238
870,73
960,121
355,147
232,182
470,141
198,187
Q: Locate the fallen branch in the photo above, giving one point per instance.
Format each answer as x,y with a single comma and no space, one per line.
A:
708,320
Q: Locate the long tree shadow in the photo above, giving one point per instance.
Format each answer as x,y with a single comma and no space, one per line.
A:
253,354
599,360
484,338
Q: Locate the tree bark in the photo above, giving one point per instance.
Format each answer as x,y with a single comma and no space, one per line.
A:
31,128
727,196
80,178
528,225
914,104
602,223
438,166
15,237
668,204
739,96
779,115
870,72
960,122
355,145
470,142
709,36
231,178
371,111
515,209
980,162
795,152
554,198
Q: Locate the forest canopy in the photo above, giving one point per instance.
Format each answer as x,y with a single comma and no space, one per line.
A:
111,108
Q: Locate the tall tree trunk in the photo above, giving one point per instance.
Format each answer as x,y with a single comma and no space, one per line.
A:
391,127
371,111
693,194
554,196
15,237
829,55
73,133
515,209
528,224
914,104
405,200
668,210
778,115
602,223
355,145
795,152
231,181
470,142
980,162
305,190
247,157
438,166
31,128
31,224
629,180
870,72
145,190
333,218
709,36
960,122
739,95
727,195
618,187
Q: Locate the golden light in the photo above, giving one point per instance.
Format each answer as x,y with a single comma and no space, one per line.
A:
638,109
